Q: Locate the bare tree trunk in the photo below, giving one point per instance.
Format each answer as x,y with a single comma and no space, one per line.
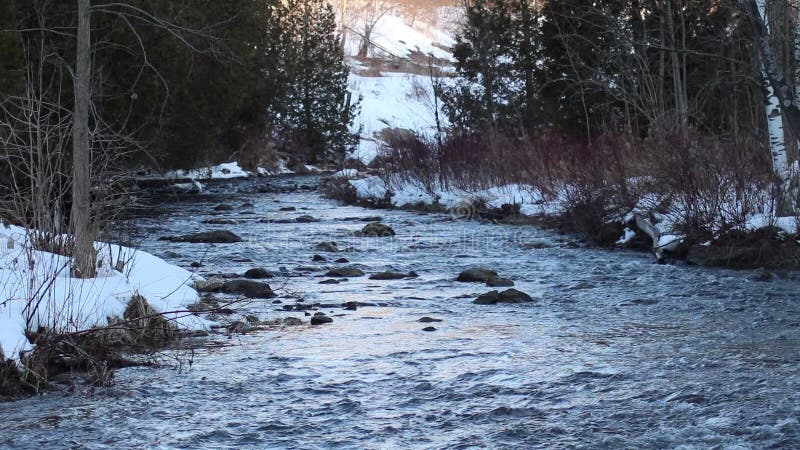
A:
678,80
363,49
85,256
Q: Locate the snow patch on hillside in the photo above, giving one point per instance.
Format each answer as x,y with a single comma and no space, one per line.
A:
393,101
394,35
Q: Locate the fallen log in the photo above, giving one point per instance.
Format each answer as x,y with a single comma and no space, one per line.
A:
654,233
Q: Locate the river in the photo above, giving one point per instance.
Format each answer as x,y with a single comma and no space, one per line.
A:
616,352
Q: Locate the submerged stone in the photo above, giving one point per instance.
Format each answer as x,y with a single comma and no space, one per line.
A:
507,296
345,272
206,237
499,282
476,275
258,273
377,229
320,319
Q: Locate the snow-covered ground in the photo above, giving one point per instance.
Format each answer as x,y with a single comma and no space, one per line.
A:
223,171
36,289
533,202
407,194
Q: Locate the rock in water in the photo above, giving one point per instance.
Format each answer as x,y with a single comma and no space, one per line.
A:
292,322
429,329
300,169
389,276
223,207
499,282
345,272
320,319
248,288
507,296
489,298
207,237
257,273
318,258
762,275
330,247
428,320
220,222
305,219
514,296
377,229
476,275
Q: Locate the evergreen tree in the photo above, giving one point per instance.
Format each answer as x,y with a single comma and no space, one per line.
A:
496,58
312,115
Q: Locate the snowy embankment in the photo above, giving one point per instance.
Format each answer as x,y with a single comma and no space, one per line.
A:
36,290
225,171
191,180
533,202
410,194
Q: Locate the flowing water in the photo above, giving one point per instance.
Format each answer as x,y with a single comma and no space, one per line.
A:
615,353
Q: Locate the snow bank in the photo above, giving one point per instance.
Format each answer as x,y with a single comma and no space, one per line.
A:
69,304
402,194
786,224
532,202
346,173
223,171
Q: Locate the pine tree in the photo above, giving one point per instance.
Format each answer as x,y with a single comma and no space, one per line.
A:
496,56
312,116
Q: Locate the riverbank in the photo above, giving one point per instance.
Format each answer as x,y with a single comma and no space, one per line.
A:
761,241
51,322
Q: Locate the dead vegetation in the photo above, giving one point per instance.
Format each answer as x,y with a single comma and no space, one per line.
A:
94,354
704,185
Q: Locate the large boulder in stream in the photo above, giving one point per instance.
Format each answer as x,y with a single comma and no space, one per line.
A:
476,275
258,273
508,296
247,288
499,282
330,247
320,319
345,272
376,229
386,276
206,237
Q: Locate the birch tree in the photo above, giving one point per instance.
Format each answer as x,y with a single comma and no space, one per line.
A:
781,101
